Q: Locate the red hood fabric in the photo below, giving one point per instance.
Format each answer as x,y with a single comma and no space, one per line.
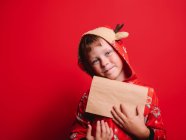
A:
119,47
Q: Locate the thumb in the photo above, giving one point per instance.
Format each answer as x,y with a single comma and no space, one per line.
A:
89,130
139,110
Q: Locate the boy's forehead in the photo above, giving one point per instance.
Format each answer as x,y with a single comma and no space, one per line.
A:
99,43
96,43
98,47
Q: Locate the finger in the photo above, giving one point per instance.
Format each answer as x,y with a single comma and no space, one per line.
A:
109,131
117,118
107,128
89,130
103,129
111,134
118,123
118,115
98,130
124,110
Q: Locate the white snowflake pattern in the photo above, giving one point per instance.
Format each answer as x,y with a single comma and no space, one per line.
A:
73,135
156,112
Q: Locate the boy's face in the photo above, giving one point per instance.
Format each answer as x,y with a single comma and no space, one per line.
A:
104,61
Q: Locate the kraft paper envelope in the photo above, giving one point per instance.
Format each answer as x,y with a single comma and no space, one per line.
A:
105,93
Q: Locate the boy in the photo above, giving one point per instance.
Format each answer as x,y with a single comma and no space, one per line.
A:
101,53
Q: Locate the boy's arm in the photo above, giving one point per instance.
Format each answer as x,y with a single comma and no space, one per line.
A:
79,128
154,119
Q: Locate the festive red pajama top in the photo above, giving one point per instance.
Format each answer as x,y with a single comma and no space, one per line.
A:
152,114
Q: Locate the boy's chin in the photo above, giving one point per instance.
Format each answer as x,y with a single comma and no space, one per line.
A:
115,77
111,77
108,77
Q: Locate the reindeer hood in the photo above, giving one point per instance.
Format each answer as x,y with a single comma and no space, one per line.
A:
114,37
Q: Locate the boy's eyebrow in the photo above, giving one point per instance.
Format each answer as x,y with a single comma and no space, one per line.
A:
97,43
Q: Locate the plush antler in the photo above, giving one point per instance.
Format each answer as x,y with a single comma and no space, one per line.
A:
118,27
120,35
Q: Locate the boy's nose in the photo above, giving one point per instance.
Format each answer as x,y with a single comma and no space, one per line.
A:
104,62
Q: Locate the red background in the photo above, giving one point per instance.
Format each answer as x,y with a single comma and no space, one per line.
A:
41,83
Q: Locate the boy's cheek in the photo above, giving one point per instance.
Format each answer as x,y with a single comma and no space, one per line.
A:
97,71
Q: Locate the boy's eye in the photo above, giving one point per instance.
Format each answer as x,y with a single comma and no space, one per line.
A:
108,52
95,61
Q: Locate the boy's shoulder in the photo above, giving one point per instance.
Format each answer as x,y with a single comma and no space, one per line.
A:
144,85
151,90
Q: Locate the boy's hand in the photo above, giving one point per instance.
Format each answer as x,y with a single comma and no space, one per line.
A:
133,124
103,132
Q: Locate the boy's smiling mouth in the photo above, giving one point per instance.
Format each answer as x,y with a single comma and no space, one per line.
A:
108,70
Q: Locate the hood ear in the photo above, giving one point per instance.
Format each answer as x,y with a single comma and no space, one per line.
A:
120,35
118,27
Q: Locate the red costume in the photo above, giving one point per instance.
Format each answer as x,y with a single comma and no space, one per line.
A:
152,114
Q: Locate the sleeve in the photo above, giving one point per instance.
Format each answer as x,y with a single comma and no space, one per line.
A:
79,127
154,119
